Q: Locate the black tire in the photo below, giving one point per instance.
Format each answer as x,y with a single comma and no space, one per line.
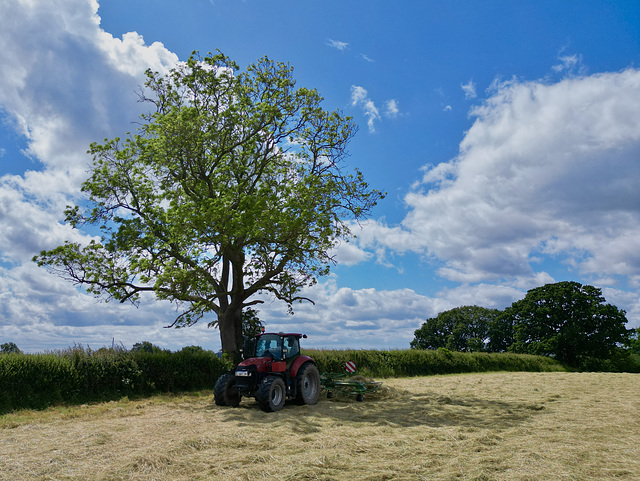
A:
308,384
271,394
223,392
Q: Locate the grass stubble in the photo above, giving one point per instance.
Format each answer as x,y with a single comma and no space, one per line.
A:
492,426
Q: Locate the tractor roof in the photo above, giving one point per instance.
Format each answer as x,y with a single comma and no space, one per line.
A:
283,334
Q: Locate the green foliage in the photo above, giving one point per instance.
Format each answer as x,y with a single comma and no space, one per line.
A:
622,360
251,323
568,321
146,346
413,362
232,186
78,375
461,329
632,343
565,320
9,348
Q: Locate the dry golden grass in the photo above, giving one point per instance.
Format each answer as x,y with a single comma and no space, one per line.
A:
497,426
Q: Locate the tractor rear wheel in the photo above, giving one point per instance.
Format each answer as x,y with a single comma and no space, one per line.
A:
271,394
308,384
223,392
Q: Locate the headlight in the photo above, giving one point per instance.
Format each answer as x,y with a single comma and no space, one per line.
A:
243,373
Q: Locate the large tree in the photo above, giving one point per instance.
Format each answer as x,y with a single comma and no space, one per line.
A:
9,348
463,328
566,320
233,185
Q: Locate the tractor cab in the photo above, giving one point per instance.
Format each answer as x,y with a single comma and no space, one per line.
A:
279,347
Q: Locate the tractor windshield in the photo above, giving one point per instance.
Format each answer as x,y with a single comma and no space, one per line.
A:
269,345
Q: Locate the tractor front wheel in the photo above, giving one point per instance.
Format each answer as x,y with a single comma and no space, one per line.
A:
308,387
223,392
271,394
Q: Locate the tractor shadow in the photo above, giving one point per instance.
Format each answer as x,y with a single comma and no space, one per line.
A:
389,407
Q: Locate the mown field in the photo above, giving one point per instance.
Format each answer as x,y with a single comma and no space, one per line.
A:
487,426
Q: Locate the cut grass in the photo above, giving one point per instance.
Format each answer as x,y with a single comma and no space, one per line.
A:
493,426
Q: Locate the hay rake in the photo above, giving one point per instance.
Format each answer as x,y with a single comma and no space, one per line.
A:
340,383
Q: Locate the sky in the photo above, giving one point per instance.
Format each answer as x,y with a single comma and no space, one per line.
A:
506,135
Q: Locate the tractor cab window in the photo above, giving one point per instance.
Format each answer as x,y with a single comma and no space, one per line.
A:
269,346
292,345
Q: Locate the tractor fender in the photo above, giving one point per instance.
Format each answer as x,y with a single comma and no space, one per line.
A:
297,364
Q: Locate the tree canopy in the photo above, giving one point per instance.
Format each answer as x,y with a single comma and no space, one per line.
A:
234,185
566,320
461,329
9,348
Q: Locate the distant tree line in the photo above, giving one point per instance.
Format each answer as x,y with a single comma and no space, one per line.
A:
568,321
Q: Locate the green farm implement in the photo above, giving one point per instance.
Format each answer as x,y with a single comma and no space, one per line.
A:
341,384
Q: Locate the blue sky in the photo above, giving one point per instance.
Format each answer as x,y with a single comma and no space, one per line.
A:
506,134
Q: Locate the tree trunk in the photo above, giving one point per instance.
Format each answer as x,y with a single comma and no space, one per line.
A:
230,325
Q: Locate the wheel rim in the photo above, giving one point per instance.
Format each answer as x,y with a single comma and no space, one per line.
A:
309,387
277,394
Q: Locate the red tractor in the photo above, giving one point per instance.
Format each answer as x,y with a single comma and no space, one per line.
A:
273,370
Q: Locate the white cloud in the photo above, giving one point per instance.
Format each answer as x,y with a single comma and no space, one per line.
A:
360,97
391,108
569,64
337,44
469,90
64,83
349,318
545,171
38,309
349,254
366,58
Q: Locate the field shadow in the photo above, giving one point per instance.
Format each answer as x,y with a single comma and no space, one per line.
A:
392,407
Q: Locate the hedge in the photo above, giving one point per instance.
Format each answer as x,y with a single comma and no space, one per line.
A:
415,362
36,381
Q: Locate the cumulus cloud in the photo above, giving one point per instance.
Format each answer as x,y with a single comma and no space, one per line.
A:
40,310
349,254
546,171
65,83
354,318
